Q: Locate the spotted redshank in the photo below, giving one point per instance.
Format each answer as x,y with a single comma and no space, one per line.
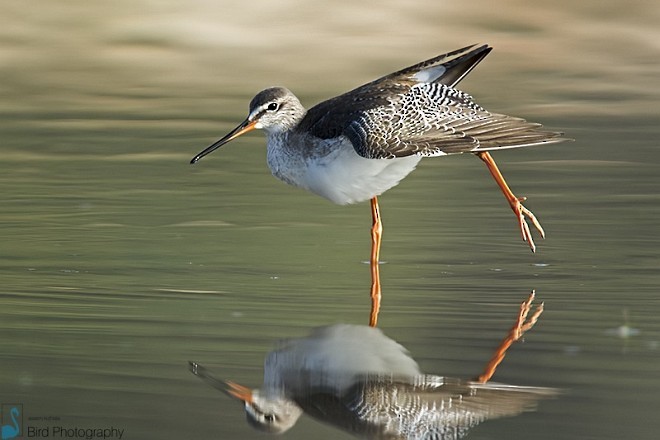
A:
356,146
361,381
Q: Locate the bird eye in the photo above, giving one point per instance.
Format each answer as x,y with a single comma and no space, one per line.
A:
272,107
270,418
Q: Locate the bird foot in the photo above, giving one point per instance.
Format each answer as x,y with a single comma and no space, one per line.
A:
515,202
521,212
522,325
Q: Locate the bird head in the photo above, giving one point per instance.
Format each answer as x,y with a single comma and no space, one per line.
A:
275,110
272,413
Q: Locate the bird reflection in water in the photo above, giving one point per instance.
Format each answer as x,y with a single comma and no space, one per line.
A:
359,380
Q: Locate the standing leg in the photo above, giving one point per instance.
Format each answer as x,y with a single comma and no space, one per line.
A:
376,234
514,201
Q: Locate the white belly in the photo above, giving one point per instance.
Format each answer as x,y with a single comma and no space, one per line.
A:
339,174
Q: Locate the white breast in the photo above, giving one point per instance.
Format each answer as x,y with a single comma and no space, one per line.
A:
334,170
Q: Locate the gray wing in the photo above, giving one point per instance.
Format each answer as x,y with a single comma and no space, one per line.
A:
434,120
434,407
330,118
417,111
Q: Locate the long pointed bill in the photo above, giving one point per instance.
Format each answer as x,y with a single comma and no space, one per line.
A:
243,128
232,389
239,391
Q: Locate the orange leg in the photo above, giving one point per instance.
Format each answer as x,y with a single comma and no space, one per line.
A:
376,234
516,332
514,202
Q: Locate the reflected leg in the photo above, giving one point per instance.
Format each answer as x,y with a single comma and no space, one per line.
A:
516,332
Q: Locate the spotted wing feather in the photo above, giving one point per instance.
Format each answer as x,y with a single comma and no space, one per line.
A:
330,118
422,407
417,111
433,120
432,407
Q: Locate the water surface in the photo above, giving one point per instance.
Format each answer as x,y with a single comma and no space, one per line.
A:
120,262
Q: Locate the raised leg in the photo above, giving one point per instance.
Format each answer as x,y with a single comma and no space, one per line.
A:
515,202
376,234
516,332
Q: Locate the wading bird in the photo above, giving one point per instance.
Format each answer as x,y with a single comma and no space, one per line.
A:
356,146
